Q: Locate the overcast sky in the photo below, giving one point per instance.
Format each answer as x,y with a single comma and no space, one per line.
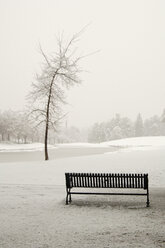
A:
127,76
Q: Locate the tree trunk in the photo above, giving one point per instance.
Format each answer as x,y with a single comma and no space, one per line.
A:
46,142
47,117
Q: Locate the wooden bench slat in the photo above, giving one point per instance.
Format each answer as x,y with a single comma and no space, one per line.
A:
79,179
139,184
133,180
130,181
76,180
97,180
141,180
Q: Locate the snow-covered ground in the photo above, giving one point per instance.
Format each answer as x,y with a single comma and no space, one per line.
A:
151,142
51,172
33,211
22,147
37,217
83,144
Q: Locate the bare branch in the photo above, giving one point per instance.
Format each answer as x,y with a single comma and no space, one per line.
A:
44,55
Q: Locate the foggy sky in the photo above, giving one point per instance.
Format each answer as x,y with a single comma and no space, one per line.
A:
127,75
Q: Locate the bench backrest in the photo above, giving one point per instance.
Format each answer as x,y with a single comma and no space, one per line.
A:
106,180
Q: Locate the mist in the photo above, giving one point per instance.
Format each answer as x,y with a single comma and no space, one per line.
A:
126,76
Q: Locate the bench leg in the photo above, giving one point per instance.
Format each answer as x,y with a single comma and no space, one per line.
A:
148,202
67,199
70,198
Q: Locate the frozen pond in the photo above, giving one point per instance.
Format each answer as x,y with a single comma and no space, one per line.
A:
54,153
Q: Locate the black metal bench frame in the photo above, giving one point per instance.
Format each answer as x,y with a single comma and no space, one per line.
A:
106,180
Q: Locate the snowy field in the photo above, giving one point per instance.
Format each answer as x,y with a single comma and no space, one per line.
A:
137,155
33,211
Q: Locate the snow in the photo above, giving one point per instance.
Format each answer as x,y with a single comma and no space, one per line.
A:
151,141
83,144
37,217
52,172
22,147
33,211
136,143
40,146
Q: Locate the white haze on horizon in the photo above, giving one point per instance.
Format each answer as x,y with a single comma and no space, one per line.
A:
125,77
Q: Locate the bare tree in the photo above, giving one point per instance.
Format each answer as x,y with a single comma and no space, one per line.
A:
60,71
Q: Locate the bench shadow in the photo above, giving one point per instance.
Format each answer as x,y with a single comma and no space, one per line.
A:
110,203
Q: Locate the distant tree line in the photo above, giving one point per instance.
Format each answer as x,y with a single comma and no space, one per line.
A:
122,127
17,127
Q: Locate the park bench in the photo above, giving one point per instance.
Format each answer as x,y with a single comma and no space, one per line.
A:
106,180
